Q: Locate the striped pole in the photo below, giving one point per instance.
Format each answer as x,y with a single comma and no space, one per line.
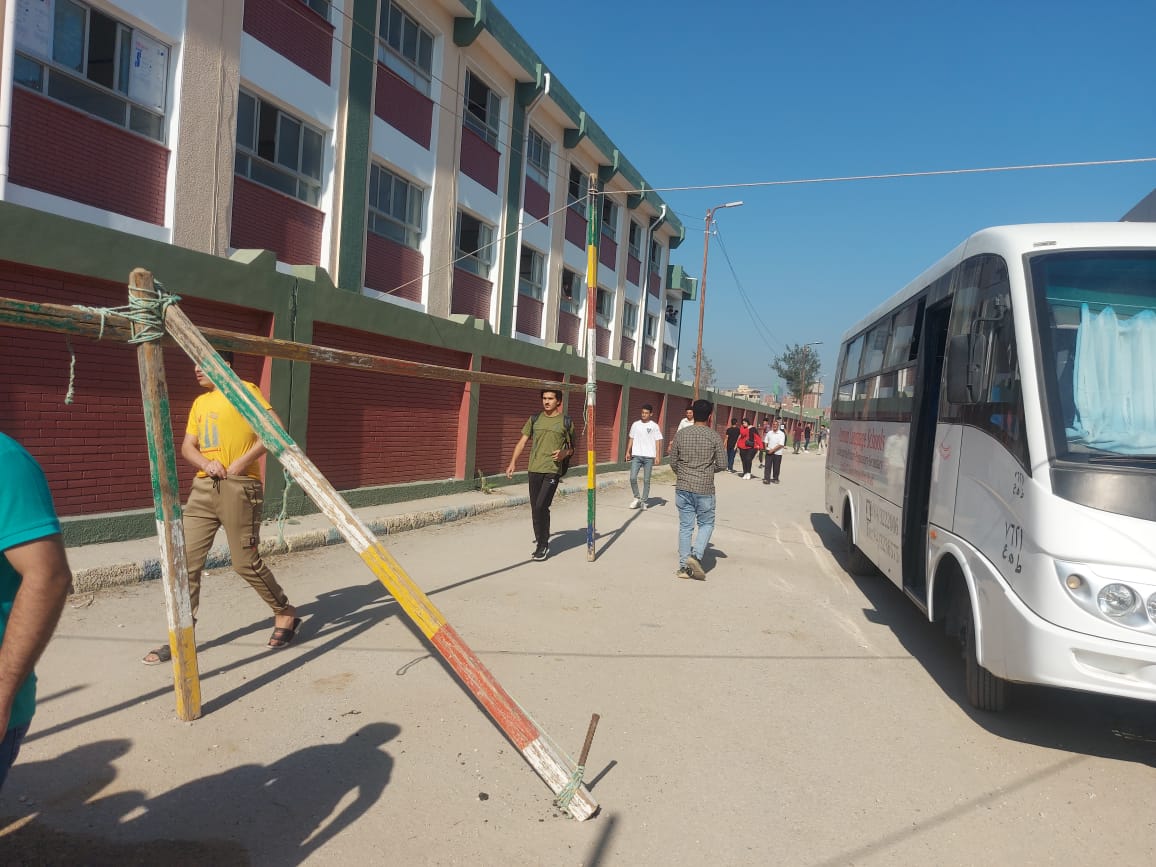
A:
591,360
544,756
154,392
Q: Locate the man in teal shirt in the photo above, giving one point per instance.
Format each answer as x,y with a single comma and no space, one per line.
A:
34,582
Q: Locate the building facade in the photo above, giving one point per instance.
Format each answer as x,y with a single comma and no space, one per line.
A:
420,152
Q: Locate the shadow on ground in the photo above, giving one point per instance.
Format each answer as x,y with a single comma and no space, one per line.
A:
1076,722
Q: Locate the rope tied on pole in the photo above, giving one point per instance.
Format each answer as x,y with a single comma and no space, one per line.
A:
571,788
591,392
148,314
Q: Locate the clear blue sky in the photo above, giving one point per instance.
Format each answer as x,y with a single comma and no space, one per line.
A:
757,90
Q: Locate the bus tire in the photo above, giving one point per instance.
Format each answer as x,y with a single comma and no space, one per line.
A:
857,561
985,691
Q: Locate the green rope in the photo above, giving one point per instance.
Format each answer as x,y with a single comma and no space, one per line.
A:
147,313
571,788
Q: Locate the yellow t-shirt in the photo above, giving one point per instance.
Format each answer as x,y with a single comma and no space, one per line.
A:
221,431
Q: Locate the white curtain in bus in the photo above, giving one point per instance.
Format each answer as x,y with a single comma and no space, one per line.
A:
1115,381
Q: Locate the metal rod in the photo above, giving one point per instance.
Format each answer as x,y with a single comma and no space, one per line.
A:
589,739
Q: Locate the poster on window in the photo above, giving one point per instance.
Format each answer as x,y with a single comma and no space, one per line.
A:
34,26
148,71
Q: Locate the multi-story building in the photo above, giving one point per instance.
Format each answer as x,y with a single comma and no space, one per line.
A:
421,152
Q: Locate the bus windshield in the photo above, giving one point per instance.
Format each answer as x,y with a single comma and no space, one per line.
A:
1096,317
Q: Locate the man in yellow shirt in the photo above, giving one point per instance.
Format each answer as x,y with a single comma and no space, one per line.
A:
227,492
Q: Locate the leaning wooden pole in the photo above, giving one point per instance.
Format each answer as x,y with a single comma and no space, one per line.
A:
591,362
551,763
154,392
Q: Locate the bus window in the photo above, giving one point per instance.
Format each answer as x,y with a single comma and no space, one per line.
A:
902,330
875,348
854,351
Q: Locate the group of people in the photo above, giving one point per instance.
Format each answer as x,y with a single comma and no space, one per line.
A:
745,440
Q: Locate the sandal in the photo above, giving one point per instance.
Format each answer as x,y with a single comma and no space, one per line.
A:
159,655
282,635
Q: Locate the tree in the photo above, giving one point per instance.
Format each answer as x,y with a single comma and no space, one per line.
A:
707,378
799,368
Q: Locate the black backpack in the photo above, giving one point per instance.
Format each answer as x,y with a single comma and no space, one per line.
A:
568,441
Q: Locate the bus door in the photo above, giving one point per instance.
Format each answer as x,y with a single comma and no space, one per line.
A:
921,448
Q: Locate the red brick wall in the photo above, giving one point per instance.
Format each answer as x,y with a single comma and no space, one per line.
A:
94,451
655,284
264,219
62,151
369,428
569,330
393,268
606,419
536,200
638,397
471,294
575,228
675,412
503,410
648,358
607,252
403,107
479,160
294,31
633,269
529,316
626,350
602,342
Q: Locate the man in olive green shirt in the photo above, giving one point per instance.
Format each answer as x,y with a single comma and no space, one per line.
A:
553,443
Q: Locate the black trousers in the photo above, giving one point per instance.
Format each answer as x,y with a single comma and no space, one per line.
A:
543,486
747,456
771,466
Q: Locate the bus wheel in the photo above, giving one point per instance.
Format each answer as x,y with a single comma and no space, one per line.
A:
857,562
985,691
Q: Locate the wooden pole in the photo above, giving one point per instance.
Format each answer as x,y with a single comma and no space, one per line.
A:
591,362
550,762
170,530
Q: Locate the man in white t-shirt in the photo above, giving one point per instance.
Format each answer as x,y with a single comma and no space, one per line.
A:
688,420
774,442
643,453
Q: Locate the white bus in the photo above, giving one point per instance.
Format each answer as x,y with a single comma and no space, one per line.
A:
993,453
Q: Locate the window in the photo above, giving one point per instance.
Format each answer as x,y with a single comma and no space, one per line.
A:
395,207
571,299
629,318
277,150
482,109
475,246
530,273
609,218
321,7
577,189
904,339
538,159
94,63
655,256
651,328
634,240
406,47
604,307
875,348
668,359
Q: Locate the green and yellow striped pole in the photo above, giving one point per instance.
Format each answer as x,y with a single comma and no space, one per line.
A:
591,359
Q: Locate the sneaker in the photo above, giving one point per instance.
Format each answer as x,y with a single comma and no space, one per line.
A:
683,572
746,475
695,569
541,552
766,481
645,505
634,504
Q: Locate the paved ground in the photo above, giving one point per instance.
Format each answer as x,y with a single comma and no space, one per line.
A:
779,713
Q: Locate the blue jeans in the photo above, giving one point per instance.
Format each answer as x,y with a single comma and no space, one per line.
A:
692,507
646,465
10,749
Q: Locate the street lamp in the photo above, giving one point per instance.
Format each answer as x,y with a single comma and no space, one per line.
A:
702,290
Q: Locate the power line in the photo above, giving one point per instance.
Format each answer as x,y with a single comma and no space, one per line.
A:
761,328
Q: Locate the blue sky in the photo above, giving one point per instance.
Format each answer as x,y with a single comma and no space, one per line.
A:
740,91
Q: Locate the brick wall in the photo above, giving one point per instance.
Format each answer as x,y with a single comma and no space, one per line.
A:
606,420
602,342
94,451
264,219
633,269
393,268
626,350
294,31
65,152
608,252
501,413
536,200
403,107
648,358
575,228
569,330
638,397
471,294
529,316
479,160
369,428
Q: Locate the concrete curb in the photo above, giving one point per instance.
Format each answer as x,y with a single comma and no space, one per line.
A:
125,574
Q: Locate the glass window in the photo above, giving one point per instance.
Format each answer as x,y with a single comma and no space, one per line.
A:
902,348
321,7
287,156
406,47
609,218
475,245
851,362
571,299
651,328
530,270
604,305
576,189
634,240
538,159
655,255
629,318
482,109
395,207
874,348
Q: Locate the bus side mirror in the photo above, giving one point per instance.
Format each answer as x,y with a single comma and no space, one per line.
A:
965,354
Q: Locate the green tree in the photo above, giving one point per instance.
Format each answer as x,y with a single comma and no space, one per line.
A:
708,379
799,368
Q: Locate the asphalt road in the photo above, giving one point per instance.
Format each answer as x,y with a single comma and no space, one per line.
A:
782,712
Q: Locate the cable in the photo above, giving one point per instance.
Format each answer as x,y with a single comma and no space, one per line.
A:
761,327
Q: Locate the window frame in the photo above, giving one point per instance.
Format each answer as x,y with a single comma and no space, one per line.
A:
655,255
629,318
321,7
603,316
533,285
634,239
246,154
571,304
651,332
411,230
538,153
577,200
610,213
481,260
409,69
487,127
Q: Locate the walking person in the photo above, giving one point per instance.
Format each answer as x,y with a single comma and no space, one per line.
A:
797,435
34,582
227,492
732,434
687,420
749,443
807,439
643,453
775,442
552,434
696,454
766,429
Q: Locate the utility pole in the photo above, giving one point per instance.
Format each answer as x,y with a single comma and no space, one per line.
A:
702,290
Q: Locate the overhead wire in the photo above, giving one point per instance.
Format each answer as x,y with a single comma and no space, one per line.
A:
761,327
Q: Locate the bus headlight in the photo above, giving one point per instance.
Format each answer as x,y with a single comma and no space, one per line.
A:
1117,600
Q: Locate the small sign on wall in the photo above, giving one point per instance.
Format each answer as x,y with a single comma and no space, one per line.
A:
148,71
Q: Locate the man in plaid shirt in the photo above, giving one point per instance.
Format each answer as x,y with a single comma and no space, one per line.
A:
696,455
